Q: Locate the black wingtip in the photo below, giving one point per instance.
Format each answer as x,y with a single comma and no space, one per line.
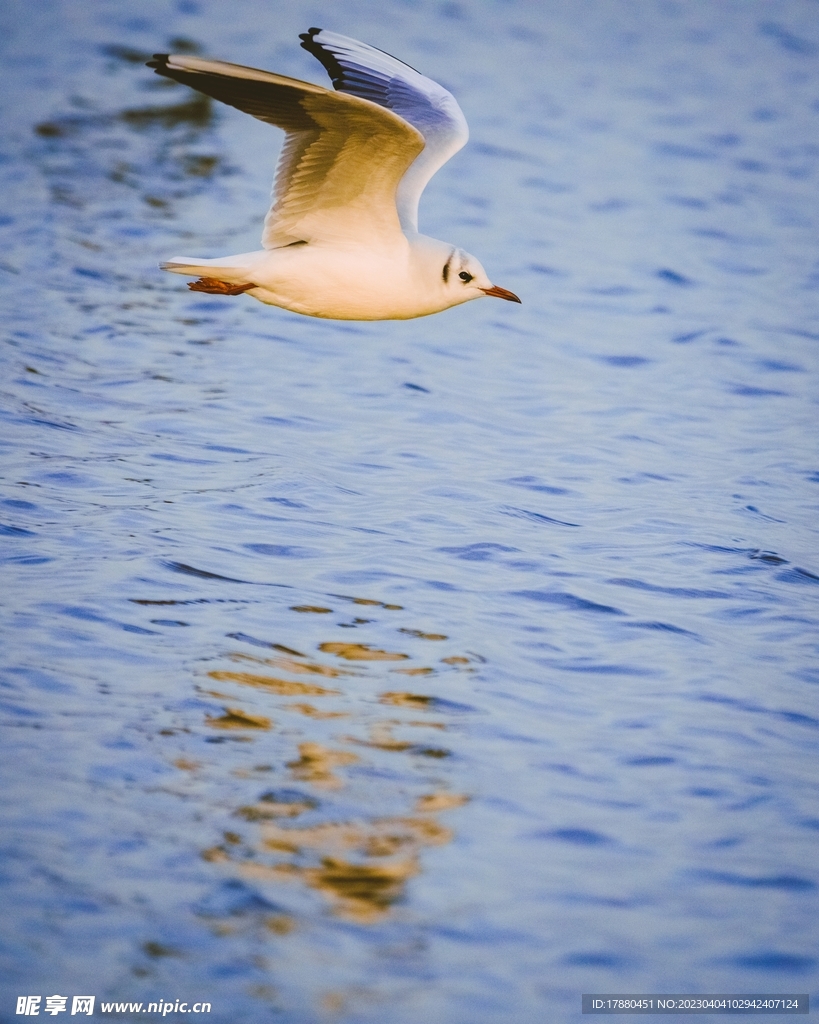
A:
331,65
159,60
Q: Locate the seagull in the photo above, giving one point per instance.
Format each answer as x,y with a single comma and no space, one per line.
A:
341,238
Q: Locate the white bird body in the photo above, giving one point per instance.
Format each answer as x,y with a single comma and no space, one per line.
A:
341,239
398,281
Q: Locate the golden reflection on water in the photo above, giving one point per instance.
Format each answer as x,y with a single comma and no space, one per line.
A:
313,712
406,700
273,806
284,687
360,865
316,763
376,604
381,738
235,718
360,652
302,667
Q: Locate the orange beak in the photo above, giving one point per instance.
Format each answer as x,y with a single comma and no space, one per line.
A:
500,293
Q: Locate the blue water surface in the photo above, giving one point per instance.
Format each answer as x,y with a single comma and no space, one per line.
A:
438,670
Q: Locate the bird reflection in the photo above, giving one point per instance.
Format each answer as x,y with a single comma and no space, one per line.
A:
358,859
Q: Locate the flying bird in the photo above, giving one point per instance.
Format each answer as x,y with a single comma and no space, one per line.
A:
341,238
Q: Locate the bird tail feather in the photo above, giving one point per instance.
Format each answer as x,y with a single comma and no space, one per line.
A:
225,268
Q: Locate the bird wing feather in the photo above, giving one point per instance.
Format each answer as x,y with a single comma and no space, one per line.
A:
342,159
358,69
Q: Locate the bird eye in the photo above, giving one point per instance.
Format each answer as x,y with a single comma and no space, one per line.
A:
465,277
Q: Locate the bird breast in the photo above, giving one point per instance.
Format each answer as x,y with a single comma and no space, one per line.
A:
354,283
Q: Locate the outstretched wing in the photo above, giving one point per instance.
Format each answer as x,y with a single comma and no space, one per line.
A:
342,159
361,70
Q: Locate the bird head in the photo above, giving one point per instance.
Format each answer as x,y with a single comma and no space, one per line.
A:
464,278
